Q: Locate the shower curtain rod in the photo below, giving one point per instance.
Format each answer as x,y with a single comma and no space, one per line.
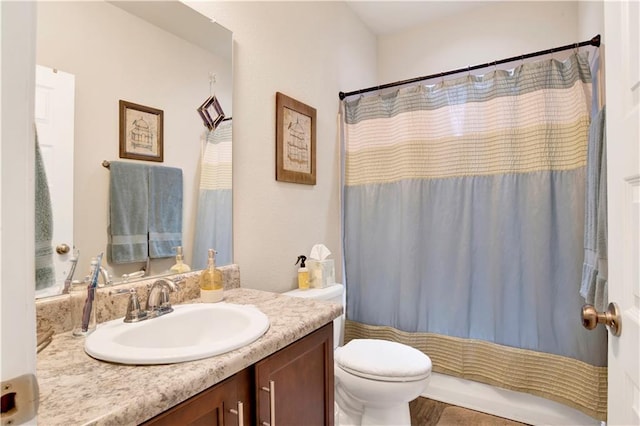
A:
595,41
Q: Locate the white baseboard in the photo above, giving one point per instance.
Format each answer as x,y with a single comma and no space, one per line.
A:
518,406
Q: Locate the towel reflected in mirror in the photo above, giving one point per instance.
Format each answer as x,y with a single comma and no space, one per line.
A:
45,271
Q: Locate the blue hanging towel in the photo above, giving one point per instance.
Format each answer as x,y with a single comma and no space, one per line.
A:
165,211
128,212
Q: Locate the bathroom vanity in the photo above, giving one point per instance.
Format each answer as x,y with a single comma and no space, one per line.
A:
290,368
294,383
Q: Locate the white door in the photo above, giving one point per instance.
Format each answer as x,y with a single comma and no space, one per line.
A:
54,111
17,233
622,56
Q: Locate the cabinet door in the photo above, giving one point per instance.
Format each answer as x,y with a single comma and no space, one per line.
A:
216,406
295,385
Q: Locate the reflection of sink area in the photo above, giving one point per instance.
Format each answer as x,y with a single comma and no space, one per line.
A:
190,332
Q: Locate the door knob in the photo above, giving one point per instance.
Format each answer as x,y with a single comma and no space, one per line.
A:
611,318
62,248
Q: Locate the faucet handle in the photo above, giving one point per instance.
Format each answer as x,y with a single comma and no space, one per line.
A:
135,312
138,274
178,282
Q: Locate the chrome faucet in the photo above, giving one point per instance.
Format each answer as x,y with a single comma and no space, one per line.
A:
72,269
158,302
106,278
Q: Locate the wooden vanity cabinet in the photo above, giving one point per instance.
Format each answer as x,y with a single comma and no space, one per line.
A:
216,406
294,384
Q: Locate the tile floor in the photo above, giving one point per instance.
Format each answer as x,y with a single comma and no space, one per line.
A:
427,412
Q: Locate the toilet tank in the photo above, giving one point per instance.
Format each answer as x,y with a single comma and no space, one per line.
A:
333,293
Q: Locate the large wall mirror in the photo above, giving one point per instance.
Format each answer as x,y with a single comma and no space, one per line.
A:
164,55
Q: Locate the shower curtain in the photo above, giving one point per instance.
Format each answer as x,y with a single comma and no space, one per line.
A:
463,227
214,228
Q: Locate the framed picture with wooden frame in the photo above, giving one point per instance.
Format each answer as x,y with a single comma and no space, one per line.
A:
141,132
295,141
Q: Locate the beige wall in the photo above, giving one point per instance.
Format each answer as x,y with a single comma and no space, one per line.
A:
309,51
590,19
491,31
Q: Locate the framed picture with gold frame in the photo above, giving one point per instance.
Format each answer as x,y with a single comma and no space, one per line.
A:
141,132
295,141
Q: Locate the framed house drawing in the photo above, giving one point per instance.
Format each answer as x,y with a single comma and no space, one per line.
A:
141,132
295,141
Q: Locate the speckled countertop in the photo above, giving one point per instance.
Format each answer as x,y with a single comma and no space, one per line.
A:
76,389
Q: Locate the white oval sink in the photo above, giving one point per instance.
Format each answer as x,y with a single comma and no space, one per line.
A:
190,332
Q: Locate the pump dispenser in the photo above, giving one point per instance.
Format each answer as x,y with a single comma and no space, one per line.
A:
180,267
303,273
211,281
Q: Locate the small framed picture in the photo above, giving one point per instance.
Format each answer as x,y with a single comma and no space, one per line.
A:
295,141
140,132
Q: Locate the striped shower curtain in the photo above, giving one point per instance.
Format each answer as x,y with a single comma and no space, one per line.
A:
214,227
463,227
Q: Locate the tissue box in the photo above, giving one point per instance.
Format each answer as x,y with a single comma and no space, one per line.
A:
322,273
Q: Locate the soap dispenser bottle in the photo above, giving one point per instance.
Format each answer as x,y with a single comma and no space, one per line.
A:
180,267
211,281
303,273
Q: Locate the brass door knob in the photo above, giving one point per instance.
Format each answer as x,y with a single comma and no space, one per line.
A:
63,248
611,318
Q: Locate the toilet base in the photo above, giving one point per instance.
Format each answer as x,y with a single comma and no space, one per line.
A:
387,416
371,416
353,411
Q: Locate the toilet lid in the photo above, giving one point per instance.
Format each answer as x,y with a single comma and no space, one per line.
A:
383,360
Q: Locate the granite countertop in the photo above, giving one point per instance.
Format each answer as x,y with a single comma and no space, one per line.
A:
76,389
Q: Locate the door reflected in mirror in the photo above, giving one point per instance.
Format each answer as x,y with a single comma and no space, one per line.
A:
150,53
54,115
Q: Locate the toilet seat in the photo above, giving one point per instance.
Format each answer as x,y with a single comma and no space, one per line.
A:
383,360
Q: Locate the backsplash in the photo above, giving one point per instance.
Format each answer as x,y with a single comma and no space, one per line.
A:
53,313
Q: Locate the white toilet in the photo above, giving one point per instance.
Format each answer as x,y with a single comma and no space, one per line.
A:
374,379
